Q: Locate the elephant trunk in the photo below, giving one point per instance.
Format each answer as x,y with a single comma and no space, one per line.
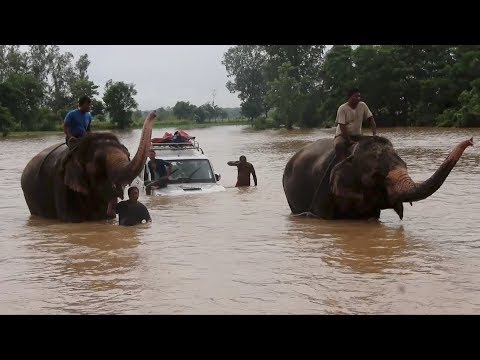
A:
127,172
401,188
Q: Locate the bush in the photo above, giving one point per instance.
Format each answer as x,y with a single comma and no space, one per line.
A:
262,123
7,122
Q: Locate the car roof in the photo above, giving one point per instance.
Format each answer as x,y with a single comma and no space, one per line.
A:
176,151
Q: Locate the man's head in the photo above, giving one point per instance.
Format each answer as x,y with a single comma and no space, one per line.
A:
85,104
353,96
243,158
151,155
133,193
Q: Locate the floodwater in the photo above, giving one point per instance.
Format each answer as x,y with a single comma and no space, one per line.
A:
241,251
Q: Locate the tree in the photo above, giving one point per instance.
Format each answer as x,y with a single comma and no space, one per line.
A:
81,67
184,110
98,109
337,75
247,66
7,122
200,114
62,73
81,88
119,102
163,113
286,95
21,94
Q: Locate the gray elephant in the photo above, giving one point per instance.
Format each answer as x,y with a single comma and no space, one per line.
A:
371,179
78,187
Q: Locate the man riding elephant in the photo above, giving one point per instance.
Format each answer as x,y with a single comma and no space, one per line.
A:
81,188
77,122
350,117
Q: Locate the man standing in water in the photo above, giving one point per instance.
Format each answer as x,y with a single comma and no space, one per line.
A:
350,117
244,171
130,212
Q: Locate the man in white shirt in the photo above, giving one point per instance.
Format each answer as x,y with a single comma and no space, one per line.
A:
350,117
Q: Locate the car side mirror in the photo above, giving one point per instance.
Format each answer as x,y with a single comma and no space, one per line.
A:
218,177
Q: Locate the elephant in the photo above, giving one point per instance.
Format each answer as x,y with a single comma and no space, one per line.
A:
76,185
372,178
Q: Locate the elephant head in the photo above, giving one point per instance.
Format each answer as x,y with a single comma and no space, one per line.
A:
376,178
100,167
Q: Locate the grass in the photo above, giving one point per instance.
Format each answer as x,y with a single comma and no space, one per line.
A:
188,124
33,133
106,125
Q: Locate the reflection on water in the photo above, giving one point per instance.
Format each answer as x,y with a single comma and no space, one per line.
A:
361,247
84,260
241,251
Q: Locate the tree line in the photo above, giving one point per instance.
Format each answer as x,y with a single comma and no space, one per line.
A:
404,85
184,110
39,85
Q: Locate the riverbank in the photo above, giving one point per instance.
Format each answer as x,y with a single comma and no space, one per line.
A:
106,126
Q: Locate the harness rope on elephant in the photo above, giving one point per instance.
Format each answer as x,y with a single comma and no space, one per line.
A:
327,171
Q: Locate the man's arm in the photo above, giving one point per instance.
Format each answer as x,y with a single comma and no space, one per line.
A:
89,123
146,216
342,122
371,120
344,132
254,175
66,124
112,208
169,169
373,125
233,163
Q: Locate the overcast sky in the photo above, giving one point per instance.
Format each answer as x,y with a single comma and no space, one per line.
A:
162,74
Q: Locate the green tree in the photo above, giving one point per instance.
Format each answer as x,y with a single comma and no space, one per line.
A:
338,75
247,66
119,102
21,94
7,122
98,110
184,110
81,67
286,95
81,88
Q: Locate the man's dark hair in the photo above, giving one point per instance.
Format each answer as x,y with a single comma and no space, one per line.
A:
131,188
243,158
351,92
83,100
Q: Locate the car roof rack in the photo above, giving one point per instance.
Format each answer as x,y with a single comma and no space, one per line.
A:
192,145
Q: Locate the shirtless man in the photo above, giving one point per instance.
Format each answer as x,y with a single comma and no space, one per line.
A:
244,171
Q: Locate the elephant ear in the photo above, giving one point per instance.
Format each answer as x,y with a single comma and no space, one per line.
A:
74,176
344,180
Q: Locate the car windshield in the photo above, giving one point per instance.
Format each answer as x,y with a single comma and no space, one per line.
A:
185,171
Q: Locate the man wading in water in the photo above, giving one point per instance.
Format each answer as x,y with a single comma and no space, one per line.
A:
130,212
244,171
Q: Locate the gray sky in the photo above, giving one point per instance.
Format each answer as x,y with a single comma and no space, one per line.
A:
162,74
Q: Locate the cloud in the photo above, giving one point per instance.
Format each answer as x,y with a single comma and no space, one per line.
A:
162,74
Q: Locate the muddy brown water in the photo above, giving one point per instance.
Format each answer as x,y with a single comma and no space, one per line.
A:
241,251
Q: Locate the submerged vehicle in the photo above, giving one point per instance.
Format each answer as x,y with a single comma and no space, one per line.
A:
192,172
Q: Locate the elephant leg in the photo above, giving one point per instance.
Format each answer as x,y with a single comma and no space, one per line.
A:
65,203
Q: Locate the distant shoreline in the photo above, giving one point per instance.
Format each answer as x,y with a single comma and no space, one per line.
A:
102,126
